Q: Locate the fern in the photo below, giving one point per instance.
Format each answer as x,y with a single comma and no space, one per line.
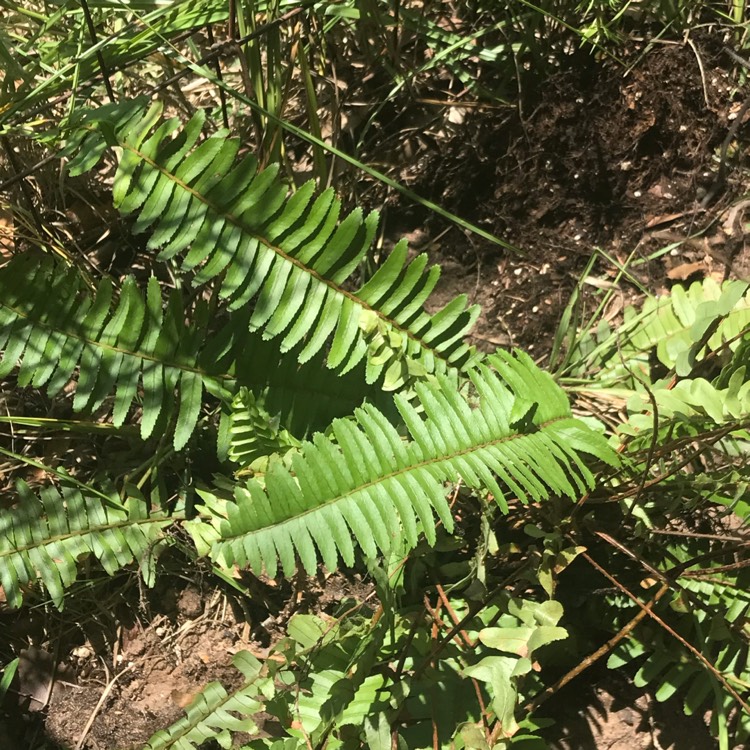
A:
215,713
289,253
695,399
45,536
253,432
711,615
364,483
679,328
50,326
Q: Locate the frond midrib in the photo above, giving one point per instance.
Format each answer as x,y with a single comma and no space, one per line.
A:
225,538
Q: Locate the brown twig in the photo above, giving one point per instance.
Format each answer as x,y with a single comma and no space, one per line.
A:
596,655
689,646
454,617
438,623
102,698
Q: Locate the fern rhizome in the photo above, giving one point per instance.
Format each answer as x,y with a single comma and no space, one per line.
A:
349,427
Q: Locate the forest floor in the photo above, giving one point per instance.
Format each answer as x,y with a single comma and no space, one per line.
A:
596,162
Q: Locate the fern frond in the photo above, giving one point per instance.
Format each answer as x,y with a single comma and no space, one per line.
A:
50,326
290,254
253,432
696,399
44,537
679,328
362,483
214,713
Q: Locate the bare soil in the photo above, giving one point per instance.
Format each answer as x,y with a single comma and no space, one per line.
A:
594,158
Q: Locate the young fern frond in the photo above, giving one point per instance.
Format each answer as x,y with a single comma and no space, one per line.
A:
133,347
290,255
44,537
253,431
363,483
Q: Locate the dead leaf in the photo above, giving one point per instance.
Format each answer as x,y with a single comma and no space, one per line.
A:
456,115
686,270
6,231
36,674
655,221
181,698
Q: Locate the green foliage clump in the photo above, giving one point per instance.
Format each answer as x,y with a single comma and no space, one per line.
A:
275,398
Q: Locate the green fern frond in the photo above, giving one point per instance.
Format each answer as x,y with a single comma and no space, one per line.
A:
290,253
362,483
214,713
679,328
694,399
44,537
50,326
711,615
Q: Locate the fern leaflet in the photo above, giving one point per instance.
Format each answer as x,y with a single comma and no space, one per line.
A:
680,328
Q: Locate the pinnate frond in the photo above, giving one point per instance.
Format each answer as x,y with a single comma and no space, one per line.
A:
679,328
53,329
709,613
45,535
363,484
253,431
215,713
697,400
50,327
290,254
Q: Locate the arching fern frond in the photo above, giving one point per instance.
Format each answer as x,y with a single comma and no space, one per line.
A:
290,254
50,326
363,483
45,536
